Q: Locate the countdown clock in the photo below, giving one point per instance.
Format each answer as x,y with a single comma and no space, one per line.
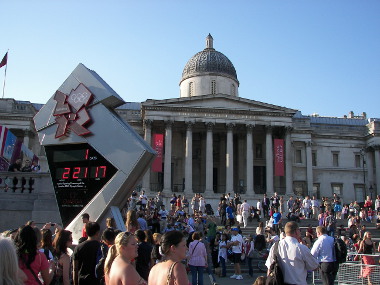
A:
95,158
78,173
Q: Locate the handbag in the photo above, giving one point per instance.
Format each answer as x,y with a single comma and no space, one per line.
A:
275,276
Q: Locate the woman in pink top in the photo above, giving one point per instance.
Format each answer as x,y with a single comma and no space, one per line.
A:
197,259
31,261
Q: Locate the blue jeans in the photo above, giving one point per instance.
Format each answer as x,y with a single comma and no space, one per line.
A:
196,274
250,268
223,264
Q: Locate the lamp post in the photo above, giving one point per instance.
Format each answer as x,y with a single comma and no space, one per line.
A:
371,190
362,153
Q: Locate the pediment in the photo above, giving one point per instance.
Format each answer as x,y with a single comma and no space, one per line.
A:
219,102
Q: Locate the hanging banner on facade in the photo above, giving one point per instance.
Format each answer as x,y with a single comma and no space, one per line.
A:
158,146
278,157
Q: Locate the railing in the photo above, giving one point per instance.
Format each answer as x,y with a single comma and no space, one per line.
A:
30,195
25,182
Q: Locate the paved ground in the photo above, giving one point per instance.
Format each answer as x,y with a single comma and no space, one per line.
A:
246,281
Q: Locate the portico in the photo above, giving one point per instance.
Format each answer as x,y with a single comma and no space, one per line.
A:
225,149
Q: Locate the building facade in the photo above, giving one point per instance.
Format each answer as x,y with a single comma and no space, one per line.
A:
217,142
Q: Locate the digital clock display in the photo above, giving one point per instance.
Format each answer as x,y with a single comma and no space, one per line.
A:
78,172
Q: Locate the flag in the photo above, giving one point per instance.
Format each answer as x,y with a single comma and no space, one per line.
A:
158,145
278,157
4,60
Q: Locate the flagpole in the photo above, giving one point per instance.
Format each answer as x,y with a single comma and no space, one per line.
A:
5,75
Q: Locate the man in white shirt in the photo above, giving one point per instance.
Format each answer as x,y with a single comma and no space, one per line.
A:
315,207
143,199
163,221
295,258
245,212
236,243
260,209
324,250
306,205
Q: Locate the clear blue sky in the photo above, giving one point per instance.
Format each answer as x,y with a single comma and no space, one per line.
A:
314,56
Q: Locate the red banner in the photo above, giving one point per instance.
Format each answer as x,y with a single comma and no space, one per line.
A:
158,146
278,157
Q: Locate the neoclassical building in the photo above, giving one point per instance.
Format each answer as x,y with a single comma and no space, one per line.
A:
216,141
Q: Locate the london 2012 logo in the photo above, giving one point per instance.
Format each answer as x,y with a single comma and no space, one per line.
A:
70,111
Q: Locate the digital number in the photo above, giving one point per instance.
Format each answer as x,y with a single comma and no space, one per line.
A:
100,171
66,173
86,155
78,172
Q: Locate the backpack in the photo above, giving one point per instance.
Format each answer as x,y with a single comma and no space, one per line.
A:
340,250
275,276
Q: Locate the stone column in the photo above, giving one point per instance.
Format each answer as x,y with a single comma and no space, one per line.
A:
377,164
369,162
148,139
269,159
230,159
309,168
249,167
189,158
209,159
26,138
168,159
288,162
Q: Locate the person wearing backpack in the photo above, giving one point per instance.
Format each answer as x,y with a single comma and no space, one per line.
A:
293,258
324,250
330,224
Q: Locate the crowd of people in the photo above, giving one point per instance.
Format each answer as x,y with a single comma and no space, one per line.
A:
28,166
161,245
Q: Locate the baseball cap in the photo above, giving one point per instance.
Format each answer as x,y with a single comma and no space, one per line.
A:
235,229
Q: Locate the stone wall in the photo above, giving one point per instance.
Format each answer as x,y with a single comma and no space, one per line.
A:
26,196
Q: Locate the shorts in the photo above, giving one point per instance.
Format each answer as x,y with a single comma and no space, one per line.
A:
237,258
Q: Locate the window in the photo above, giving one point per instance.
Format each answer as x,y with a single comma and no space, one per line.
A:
213,87
298,155
357,160
359,192
191,89
314,158
259,151
337,188
335,158
316,193
299,188
233,90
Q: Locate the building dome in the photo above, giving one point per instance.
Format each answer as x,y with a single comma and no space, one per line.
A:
209,62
